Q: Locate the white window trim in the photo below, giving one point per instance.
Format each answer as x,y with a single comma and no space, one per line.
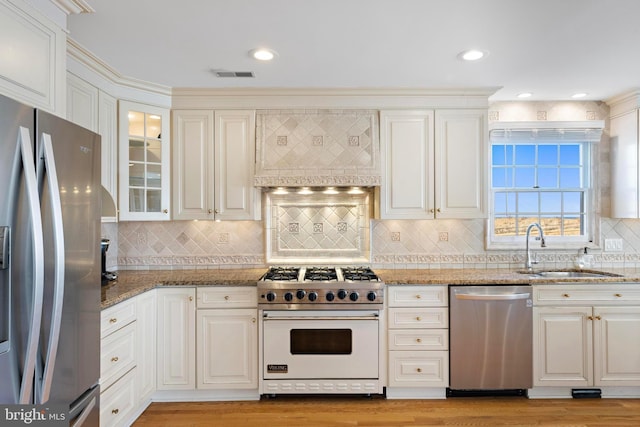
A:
593,131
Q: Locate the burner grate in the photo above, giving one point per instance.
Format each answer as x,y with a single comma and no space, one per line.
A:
359,274
282,273
320,274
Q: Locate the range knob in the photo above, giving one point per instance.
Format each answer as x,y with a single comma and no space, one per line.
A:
330,296
353,296
271,296
300,293
288,296
313,296
342,294
371,296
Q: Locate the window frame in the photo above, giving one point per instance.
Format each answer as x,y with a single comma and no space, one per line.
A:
552,133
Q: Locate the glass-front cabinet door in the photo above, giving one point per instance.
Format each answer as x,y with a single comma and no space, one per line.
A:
144,167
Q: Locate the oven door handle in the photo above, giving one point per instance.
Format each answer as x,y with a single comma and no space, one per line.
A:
373,316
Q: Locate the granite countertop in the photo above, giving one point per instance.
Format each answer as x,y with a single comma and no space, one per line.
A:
131,283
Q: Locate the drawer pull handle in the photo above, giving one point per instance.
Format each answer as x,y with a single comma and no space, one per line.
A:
115,411
418,296
618,295
565,295
226,297
418,340
114,359
598,318
418,318
419,370
113,320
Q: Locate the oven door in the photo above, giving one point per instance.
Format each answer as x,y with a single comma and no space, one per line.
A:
320,344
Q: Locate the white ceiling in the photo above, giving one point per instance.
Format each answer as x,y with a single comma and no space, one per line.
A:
552,48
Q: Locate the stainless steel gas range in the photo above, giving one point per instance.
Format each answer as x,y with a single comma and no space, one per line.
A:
321,329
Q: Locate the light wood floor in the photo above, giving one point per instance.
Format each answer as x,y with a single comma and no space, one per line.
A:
378,412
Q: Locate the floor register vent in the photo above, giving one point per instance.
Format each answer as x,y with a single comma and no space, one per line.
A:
586,393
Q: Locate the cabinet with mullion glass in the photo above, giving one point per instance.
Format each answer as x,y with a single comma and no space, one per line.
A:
144,162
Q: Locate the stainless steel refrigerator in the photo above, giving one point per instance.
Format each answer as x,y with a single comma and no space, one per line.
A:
49,262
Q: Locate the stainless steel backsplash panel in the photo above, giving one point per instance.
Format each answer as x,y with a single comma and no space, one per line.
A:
317,228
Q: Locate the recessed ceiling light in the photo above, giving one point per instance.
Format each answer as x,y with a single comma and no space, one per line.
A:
524,95
472,55
579,95
263,54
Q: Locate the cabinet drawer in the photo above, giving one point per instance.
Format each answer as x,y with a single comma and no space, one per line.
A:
581,294
118,401
418,368
117,354
418,339
417,296
416,318
227,297
114,318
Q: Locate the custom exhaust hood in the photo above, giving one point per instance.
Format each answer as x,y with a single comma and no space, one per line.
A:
317,148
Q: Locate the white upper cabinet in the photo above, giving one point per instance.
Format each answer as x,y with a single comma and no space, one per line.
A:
461,156
215,160
625,159
96,110
144,162
434,164
32,69
406,139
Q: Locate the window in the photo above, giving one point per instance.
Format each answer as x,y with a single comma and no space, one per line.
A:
544,176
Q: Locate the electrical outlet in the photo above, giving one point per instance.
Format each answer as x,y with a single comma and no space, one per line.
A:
443,236
395,236
613,245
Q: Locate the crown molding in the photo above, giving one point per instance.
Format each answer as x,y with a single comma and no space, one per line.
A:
98,66
71,7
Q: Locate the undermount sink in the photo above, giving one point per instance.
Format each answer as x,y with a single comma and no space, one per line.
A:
564,274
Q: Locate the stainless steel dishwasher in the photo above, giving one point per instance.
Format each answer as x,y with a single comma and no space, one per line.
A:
491,333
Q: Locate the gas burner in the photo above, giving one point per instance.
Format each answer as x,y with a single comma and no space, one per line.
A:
317,274
282,274
359,274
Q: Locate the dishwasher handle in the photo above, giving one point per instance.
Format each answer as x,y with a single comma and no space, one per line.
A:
496,297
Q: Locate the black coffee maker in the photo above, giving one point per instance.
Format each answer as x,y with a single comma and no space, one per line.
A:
107,276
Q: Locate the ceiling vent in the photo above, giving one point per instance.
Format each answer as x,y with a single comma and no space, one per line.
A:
234,73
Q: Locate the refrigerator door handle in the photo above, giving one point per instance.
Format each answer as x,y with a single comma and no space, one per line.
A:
85,413
46,156
26,152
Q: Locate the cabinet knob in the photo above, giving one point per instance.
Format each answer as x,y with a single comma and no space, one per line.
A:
253,320
618,295
190,298
210,211
418,318
418,296
113,320
114,359
115,411
565,295
598,318
418,370
438,210
418,340
216,211
590,317
431,210
226,297
165,210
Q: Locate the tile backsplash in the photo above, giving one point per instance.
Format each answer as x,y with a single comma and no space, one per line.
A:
393,243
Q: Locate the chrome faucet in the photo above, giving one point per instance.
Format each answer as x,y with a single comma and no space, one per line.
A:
527,263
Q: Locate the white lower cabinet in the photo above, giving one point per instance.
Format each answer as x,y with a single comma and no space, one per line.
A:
176,339
127,359
586,335
418,341
227,338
